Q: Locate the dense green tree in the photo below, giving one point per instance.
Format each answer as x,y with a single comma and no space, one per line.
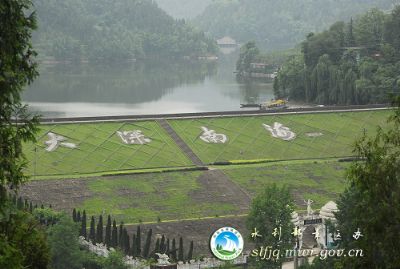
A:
146,250
83,231
249,53
133,252
46,216
271,211
17,69
334,73
114,235
392,32
30,207
127,244
287,82
115,261
162,244
107,239
99,230
64,245
20,203
190,253
371,202
180,250
350,39
23,243
173,250
78,216
138,242
121,234
156,247
370,29
167,249
92,230
74,215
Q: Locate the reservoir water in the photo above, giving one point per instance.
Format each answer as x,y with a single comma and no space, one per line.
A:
156,87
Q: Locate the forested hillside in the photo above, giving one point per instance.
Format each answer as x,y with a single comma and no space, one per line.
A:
279,24
357,62
185,9
109,30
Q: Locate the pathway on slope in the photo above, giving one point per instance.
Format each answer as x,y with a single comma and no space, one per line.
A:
179,141
218,187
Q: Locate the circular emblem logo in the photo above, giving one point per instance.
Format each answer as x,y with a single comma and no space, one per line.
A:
226,244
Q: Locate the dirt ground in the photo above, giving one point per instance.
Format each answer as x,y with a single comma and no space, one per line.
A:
66,194
63,194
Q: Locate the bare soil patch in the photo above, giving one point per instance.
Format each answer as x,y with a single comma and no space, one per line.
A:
61,194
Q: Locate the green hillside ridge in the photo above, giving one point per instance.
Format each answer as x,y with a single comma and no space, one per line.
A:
113,30
278,24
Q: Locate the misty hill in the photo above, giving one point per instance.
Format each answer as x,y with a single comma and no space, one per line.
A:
279,24
123,29
185,9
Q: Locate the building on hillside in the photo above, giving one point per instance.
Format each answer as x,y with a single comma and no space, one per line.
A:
227,45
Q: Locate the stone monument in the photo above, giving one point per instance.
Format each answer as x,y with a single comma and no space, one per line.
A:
163,262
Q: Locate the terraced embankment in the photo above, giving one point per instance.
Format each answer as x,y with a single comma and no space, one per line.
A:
105,176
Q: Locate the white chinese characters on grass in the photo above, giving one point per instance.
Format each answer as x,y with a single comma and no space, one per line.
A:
133,137
357,234
314,134
57,140
210,136
280,131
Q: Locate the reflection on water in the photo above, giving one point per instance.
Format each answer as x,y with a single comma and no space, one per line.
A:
141,88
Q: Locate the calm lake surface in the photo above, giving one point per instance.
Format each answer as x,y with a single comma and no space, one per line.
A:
70,90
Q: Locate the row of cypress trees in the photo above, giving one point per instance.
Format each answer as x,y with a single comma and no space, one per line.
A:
24,204
42,214
117,237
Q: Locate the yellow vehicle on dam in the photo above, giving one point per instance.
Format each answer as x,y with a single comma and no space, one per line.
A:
274,104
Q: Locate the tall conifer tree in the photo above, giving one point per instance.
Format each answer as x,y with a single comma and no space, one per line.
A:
107,239
114,235
146,250
92,232
83,225
99,231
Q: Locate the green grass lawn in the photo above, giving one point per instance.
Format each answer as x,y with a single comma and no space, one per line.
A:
248,140
148,197
169,196
320,181
100,149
